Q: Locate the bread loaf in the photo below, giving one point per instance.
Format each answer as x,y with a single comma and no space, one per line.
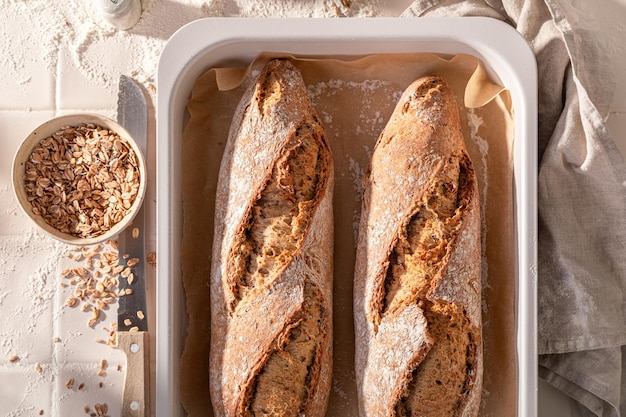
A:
271,277
417,285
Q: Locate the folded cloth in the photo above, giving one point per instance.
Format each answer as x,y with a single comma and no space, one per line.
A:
581,201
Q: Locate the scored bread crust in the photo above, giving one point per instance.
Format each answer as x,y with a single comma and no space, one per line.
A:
247,328
422,135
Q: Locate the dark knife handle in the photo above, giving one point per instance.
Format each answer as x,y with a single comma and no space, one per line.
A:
136,397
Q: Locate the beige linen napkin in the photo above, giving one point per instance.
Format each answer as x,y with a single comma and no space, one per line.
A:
582,201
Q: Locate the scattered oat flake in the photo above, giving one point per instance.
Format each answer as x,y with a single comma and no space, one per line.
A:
132,262
151,259
38,368
101,409
140,315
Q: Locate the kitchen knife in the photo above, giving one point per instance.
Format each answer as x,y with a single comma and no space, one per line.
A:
132,315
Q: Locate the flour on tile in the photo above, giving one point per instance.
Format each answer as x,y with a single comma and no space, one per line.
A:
101,52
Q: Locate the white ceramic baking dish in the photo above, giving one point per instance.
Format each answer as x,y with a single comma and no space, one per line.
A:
231,41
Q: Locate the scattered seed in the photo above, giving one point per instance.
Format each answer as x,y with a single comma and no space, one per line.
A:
14,358
101,409
70,383
151,259
132,262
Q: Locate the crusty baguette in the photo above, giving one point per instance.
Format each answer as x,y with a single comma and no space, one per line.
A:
271,278
417,288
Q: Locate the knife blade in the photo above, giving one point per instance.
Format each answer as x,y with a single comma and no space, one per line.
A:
132,316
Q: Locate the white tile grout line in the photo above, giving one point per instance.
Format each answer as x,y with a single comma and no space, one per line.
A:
57,312
57,80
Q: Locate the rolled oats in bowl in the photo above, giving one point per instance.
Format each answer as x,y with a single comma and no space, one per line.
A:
80,177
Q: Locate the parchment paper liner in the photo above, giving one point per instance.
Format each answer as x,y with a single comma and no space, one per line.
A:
354,98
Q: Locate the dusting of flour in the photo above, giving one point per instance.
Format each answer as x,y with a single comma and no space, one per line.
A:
101,52
475,122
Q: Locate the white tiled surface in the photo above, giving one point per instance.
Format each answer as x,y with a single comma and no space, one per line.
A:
68,66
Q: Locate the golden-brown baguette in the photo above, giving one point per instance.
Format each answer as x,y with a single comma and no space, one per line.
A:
417,285
271,275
